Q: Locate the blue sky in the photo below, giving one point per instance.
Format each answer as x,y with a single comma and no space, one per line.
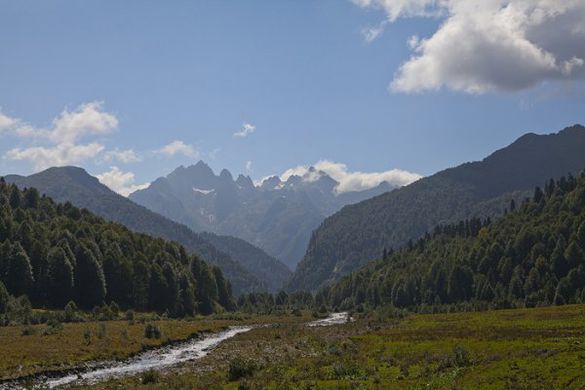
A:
301,73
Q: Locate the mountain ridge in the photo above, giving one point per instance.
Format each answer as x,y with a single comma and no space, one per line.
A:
276,215
359,232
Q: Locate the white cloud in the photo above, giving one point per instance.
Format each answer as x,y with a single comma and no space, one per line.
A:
371,33
246,130
6,122
178,147
61,147
248,166
125,156
64,154
490,45
87,119
120,181
352,181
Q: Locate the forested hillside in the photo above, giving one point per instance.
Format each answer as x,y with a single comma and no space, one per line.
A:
360,232
55,253
266,268
534,255
75,185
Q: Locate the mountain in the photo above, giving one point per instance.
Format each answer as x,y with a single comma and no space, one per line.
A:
56,253
271,272
75,185
360,232
277,216
534,255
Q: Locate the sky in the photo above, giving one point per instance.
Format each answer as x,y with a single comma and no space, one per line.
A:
367,89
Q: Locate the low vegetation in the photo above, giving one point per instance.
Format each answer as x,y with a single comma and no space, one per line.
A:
57,346
539,348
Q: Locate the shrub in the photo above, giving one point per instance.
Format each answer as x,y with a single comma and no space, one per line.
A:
152,331
87,336
150,376
240,368
130,315
70,312
28,331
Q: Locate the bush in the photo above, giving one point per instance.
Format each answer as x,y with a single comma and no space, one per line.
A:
152,331
28,331
150,376
241,368
130,315
87,336
70,312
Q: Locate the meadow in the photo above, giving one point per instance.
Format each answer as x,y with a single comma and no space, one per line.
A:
28,350
540,348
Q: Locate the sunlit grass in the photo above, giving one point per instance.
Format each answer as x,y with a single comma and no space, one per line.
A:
541,348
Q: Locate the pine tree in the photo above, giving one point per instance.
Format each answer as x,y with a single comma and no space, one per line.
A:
60,278
4,297
19,279
89,279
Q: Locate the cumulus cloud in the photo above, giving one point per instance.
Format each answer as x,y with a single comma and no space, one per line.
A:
178,147
87,119
6,122
120,181
490,45
64,154
249,166
351,181
246,130
62,138
125,156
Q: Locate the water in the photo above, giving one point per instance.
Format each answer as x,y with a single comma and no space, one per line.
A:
162,358
333,319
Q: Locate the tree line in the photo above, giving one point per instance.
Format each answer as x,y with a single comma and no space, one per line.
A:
56,253
533,255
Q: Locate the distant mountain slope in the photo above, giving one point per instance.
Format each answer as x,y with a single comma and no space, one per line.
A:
277,216
75,185
358,233
266,268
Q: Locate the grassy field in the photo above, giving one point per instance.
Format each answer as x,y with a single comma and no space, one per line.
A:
541,348
26,350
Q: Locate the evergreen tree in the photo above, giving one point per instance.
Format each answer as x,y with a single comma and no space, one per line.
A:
60,278
89,279
19,279
4,297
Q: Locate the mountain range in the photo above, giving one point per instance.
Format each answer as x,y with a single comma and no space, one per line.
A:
276,215
247,267
360,232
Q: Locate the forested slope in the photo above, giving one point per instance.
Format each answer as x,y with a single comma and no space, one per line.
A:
55,253
534,255
360,232
75,185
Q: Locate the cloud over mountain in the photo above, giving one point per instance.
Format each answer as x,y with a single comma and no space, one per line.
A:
351,181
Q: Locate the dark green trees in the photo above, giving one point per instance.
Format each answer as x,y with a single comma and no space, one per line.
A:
60,280
56,253
534,255
19,276
90,283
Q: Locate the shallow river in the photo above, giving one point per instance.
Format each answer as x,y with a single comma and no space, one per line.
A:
161,358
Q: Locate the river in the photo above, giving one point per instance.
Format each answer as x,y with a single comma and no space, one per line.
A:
160,358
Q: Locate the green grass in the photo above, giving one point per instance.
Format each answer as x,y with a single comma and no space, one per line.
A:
31,349
542,348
